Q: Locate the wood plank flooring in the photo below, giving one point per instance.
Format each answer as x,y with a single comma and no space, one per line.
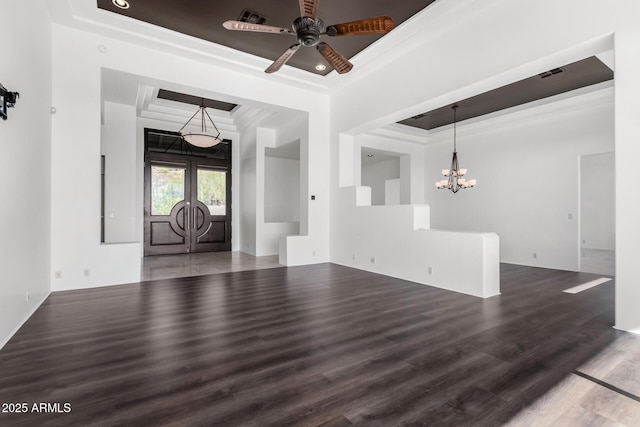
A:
325,345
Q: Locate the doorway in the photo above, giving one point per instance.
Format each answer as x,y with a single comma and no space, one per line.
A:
597,213
187,197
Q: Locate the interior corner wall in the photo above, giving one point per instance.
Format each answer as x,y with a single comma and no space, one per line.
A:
411,168
289,215
527,168
627,153
375,175
26,170
119,148
597,202
248,184
281,190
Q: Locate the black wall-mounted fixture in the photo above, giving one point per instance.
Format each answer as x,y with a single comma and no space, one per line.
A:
7,100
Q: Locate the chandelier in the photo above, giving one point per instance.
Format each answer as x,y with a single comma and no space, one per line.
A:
206,137
455,181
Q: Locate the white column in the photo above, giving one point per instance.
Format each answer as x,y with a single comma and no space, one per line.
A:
627,153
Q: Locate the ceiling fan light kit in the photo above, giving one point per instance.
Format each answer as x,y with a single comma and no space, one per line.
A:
308,29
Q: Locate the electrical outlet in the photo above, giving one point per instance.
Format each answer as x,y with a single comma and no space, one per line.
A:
373,260
429,270
314,252
86,272
354,257
58,274
535,255
570,216
28,296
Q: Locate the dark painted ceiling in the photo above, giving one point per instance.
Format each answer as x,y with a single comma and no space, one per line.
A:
195,100
203,19
579,74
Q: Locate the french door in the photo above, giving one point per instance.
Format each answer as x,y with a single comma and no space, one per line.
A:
187,205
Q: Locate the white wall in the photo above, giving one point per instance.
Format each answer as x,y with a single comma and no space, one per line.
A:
269,234
392,192
25,173
118,145
77,67
597,201
375,174
397,241
465,53
248,184
627,149
527,167
281,190
411,167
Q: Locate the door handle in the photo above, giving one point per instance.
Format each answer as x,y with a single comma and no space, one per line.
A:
194,218
187,217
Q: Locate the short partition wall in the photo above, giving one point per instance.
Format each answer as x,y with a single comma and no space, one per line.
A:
397,241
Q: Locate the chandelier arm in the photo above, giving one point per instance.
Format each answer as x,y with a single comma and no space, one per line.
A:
188,121
173,142
212,122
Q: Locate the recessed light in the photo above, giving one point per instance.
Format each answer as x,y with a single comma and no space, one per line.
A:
319,67
122,4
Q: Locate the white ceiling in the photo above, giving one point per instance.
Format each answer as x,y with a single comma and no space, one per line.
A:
370,156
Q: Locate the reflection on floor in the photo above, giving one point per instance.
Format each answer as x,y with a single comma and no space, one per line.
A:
598,262
326,345
603,391
199,264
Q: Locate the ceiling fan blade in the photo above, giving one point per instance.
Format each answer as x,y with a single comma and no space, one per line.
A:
339,62
377,25
278,63
309,8
256,28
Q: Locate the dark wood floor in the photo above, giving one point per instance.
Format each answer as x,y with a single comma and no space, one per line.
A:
315,345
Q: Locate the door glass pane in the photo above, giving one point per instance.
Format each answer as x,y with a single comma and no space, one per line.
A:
212,190
167,188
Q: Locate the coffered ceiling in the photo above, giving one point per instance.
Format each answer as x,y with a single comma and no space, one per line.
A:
583,73
203,19
202,22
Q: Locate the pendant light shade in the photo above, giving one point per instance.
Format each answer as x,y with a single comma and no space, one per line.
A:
201,140
207,136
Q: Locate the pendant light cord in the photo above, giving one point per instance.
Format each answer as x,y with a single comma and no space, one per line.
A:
455,120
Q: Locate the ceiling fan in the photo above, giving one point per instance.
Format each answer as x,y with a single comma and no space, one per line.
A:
308,28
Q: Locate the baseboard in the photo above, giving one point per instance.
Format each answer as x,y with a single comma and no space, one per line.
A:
30,313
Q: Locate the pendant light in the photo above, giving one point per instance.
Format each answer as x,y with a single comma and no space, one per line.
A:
455,181
208,136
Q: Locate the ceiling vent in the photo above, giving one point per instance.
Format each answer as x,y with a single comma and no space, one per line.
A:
419,116
551,73
252,17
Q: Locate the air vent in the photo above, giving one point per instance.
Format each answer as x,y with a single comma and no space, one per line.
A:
419,116
551,73
252,17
